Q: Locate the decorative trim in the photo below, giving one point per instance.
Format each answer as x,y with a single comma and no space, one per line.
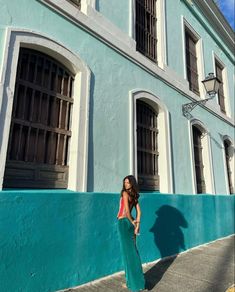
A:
78,153
216,20
165,159
132,19
161,34
228,138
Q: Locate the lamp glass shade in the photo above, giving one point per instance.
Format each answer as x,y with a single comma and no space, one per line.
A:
211,84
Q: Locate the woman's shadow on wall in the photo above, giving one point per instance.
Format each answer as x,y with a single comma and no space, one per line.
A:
168,238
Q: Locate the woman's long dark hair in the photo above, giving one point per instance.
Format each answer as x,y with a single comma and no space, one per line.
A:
134,191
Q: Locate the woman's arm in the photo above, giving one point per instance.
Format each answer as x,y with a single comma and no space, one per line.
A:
138,212
138,216
127,208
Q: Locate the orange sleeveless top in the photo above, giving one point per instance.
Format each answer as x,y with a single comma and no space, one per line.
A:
122,210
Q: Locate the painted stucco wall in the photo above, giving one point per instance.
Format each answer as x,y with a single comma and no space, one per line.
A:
113,76
50,240
117,12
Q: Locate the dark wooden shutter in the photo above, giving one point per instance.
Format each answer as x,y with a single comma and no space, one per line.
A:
146,32
40,127
227,144
191,62
147,147
219,68
198,160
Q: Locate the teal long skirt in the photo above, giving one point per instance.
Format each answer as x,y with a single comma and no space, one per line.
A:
133,269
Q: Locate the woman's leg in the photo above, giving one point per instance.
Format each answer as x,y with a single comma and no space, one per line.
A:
131,259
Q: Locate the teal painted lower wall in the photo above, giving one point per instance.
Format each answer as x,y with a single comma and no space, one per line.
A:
51,240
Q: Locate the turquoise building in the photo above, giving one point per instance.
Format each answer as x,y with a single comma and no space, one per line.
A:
91,91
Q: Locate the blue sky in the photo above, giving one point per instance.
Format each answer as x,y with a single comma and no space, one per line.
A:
227,8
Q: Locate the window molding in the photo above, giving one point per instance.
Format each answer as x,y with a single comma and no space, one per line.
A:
132,18
199,54
165,159
215,59
161,33
78,153
231,163
207,157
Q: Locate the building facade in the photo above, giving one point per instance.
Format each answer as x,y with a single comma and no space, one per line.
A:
149,60
92,90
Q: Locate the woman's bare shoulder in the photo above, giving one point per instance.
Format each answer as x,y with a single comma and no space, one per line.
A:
125,193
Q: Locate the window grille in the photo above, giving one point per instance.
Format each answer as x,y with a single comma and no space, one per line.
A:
198,160
76,3
219,74
146,32
40,126
227,145
191,62
147,147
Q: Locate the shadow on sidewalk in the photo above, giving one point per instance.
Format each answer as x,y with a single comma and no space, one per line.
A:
169,239
154,275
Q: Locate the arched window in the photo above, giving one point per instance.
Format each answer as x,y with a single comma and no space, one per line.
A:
198,160
40,130
147,146
150,142
229,153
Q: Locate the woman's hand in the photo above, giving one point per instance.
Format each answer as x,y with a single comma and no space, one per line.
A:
133,223
137,230
137,227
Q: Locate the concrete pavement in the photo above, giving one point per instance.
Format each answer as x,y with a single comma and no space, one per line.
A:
207,268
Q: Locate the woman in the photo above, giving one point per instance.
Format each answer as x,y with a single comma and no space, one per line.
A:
128,229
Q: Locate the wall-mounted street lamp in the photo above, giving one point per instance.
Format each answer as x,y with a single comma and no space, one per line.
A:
211,84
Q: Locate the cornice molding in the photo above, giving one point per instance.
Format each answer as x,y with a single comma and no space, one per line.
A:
217,21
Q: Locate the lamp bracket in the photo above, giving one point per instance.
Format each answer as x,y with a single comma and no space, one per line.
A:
188,107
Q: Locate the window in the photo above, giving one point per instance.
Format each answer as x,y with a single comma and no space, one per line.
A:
198,161
146,32
219,74
191,61
147,146
40,127
229,157
76,3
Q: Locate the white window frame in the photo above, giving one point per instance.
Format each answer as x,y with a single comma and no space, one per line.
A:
200,55
231,163
78,151
164,148
215,58
161,30
206,157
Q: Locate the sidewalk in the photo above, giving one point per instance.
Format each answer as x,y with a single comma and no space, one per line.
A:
207,268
